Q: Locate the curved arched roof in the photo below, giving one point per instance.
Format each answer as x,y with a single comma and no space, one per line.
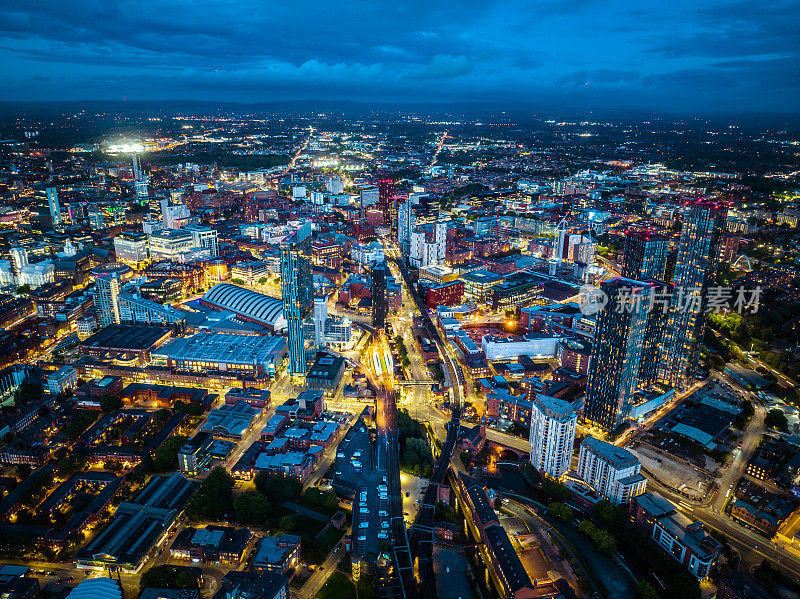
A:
245,302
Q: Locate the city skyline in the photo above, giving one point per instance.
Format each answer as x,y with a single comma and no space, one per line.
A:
298,352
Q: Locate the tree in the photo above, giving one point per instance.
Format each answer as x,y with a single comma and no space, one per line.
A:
189,407
27,392
80,423
166,458
214,499
237,281
608,514
776,419
170,577
327,501
605,542
278,488
410,459
555,490
251,508
645,590
562,511
263,281
112,466
465,458
70,464
111,403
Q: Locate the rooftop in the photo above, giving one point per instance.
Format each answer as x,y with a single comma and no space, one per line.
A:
616,456
245,302
555,408
223,348
482,276
127,336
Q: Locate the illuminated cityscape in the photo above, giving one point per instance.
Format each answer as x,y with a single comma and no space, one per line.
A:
402,301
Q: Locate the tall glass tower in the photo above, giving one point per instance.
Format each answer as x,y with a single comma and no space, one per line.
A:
645,256
380,300
297,286
695,269
53,206
386,199
617,351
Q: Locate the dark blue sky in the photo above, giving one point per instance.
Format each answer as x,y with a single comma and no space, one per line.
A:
695,56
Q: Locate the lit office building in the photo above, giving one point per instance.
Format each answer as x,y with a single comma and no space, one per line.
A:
428,244
175,216
131,248
320,320
19,259
553,423
617,351
48,210
204,238
245,355
169,244
97,221
645,256
695,268
135,309
297,290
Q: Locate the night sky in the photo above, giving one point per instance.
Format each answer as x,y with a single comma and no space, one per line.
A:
678,56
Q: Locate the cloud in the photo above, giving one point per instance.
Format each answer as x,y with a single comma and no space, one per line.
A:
664,55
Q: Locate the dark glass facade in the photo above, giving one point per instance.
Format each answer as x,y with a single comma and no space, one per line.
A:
380,297
617,351
695,269
645,256
297,286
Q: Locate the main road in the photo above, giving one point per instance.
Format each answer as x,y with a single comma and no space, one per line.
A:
421,538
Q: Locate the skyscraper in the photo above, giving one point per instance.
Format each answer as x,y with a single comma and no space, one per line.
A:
370,196
43,221
695,269
108,284
552,434
612,472
386,198
616,351
320,320
53,206
405,224
19,259
645,256
139,178
380,298
297,286
654,332
428,244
